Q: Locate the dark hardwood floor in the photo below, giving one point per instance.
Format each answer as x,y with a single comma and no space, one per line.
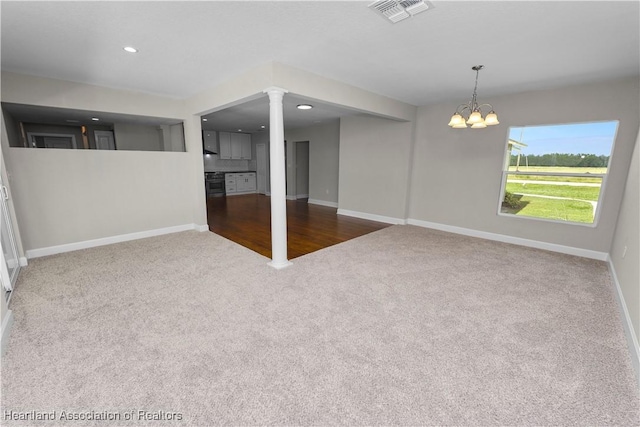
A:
246,220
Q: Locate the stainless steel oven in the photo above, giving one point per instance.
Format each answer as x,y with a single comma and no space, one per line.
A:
214,184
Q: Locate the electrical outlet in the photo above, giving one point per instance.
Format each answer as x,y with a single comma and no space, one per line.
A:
624,252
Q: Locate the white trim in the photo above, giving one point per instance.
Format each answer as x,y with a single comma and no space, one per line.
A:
372,217
323,203
279,266
23,261
302,196
7,324
291,198
632,340
51,250
201,228
586,253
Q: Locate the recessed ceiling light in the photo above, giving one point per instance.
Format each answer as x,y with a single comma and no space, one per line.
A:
204,120
95,119
239,130
130,49
304,107
263,126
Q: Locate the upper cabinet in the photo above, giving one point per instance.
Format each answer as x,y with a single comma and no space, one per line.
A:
210,141
236,146
225,145
245,144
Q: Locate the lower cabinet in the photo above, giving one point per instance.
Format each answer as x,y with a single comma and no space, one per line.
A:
240,183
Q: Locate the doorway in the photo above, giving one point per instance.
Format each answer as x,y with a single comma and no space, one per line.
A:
302,170
261,167
104,140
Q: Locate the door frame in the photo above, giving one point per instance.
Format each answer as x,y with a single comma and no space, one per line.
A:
4,211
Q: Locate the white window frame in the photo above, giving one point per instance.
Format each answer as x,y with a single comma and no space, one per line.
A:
603,186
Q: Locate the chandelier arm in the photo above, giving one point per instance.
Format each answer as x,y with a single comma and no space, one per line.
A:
464,106
482,105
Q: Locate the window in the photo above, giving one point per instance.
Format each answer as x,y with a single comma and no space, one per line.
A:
557,172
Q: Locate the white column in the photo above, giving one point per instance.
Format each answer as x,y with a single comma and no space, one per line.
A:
278,183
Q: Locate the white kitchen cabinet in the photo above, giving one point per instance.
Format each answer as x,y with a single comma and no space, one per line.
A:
252,182
240,183
235,146
245,145
230,183
210,140
225,145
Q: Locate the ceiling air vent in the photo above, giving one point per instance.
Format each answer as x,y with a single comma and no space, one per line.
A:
396,11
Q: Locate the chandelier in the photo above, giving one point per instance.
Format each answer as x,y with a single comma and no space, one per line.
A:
474,111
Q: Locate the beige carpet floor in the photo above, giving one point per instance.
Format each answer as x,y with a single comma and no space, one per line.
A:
403,326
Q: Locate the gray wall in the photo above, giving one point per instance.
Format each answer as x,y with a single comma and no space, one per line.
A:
324,154
627,234
457,172
137,137
68,196
374,166
11,127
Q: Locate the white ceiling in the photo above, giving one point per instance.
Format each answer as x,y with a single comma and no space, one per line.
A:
187,47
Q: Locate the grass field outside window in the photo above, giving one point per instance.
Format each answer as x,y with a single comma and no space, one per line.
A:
550,174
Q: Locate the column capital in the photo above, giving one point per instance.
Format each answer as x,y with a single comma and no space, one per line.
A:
275,89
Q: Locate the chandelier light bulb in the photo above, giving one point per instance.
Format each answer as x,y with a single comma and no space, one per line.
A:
474,118
456,119
460,125
479,125
491,119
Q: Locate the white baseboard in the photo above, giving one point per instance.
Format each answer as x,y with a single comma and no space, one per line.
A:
586,253
632,340
302,196
52,250
23,261
7,324
323,203
240,193
201,228
372,217
291,198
